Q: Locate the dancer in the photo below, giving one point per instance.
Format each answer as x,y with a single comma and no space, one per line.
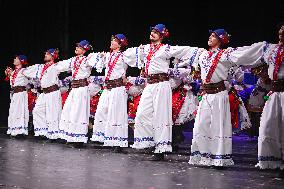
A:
18,113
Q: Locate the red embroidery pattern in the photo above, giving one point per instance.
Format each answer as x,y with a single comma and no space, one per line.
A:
77,64
278,61
153,50
45,67
214,65
14,75
178,98
111,65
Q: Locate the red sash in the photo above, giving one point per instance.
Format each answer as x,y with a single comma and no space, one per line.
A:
111,65
214,65
278,61
14,75
77,66
153,50
45,67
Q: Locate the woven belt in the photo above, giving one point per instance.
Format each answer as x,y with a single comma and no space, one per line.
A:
156,78
50,89
278,85
109,84
213,88
18,89
79,83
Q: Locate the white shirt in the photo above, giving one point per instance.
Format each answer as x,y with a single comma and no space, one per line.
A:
20,79
85,68
247,55
47,78
270,57
128,57
160,61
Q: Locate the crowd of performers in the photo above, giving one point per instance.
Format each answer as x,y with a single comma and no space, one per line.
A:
202,86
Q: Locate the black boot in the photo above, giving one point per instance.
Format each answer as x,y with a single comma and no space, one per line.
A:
50,141
21,136
60,141
117,149
79,145
281,174
158,157
149,150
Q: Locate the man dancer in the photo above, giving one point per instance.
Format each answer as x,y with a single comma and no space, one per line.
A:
153,121
47,110
18,112
76,111
271,130
212,133
111,118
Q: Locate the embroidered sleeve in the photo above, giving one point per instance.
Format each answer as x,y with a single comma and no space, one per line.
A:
64,65
247,55
93,59
101,64
32,71
133,57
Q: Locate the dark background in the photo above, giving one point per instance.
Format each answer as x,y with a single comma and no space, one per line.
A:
31,27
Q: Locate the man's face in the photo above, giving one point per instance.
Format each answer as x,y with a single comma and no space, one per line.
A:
48,57
281,34
17,61
79,51
155,36
213,40
114,44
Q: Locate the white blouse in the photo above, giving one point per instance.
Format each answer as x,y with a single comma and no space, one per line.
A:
247,56
270,57
20,79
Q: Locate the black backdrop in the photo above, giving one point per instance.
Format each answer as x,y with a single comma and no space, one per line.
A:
30,27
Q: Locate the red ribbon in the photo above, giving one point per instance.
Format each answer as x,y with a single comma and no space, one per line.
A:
45,67
14,75
111,65
153,50
214,65
77,66
278,61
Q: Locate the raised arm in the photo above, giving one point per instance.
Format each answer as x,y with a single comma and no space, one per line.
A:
134,57
247,55
95,60
64,65
33,71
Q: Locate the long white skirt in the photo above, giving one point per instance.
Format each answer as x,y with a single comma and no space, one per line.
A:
18,118
188,109
153,121
271,133
75,115
212,132
110,122
46,114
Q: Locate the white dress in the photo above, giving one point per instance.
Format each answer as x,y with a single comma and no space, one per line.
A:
212,132
18,112
75,114
111,118
47,110
271,130
153,121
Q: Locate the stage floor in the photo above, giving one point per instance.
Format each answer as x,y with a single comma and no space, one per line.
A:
35,164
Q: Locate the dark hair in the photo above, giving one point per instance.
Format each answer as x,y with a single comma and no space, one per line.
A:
279,25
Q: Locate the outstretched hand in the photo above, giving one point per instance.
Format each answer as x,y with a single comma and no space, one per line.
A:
8,71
